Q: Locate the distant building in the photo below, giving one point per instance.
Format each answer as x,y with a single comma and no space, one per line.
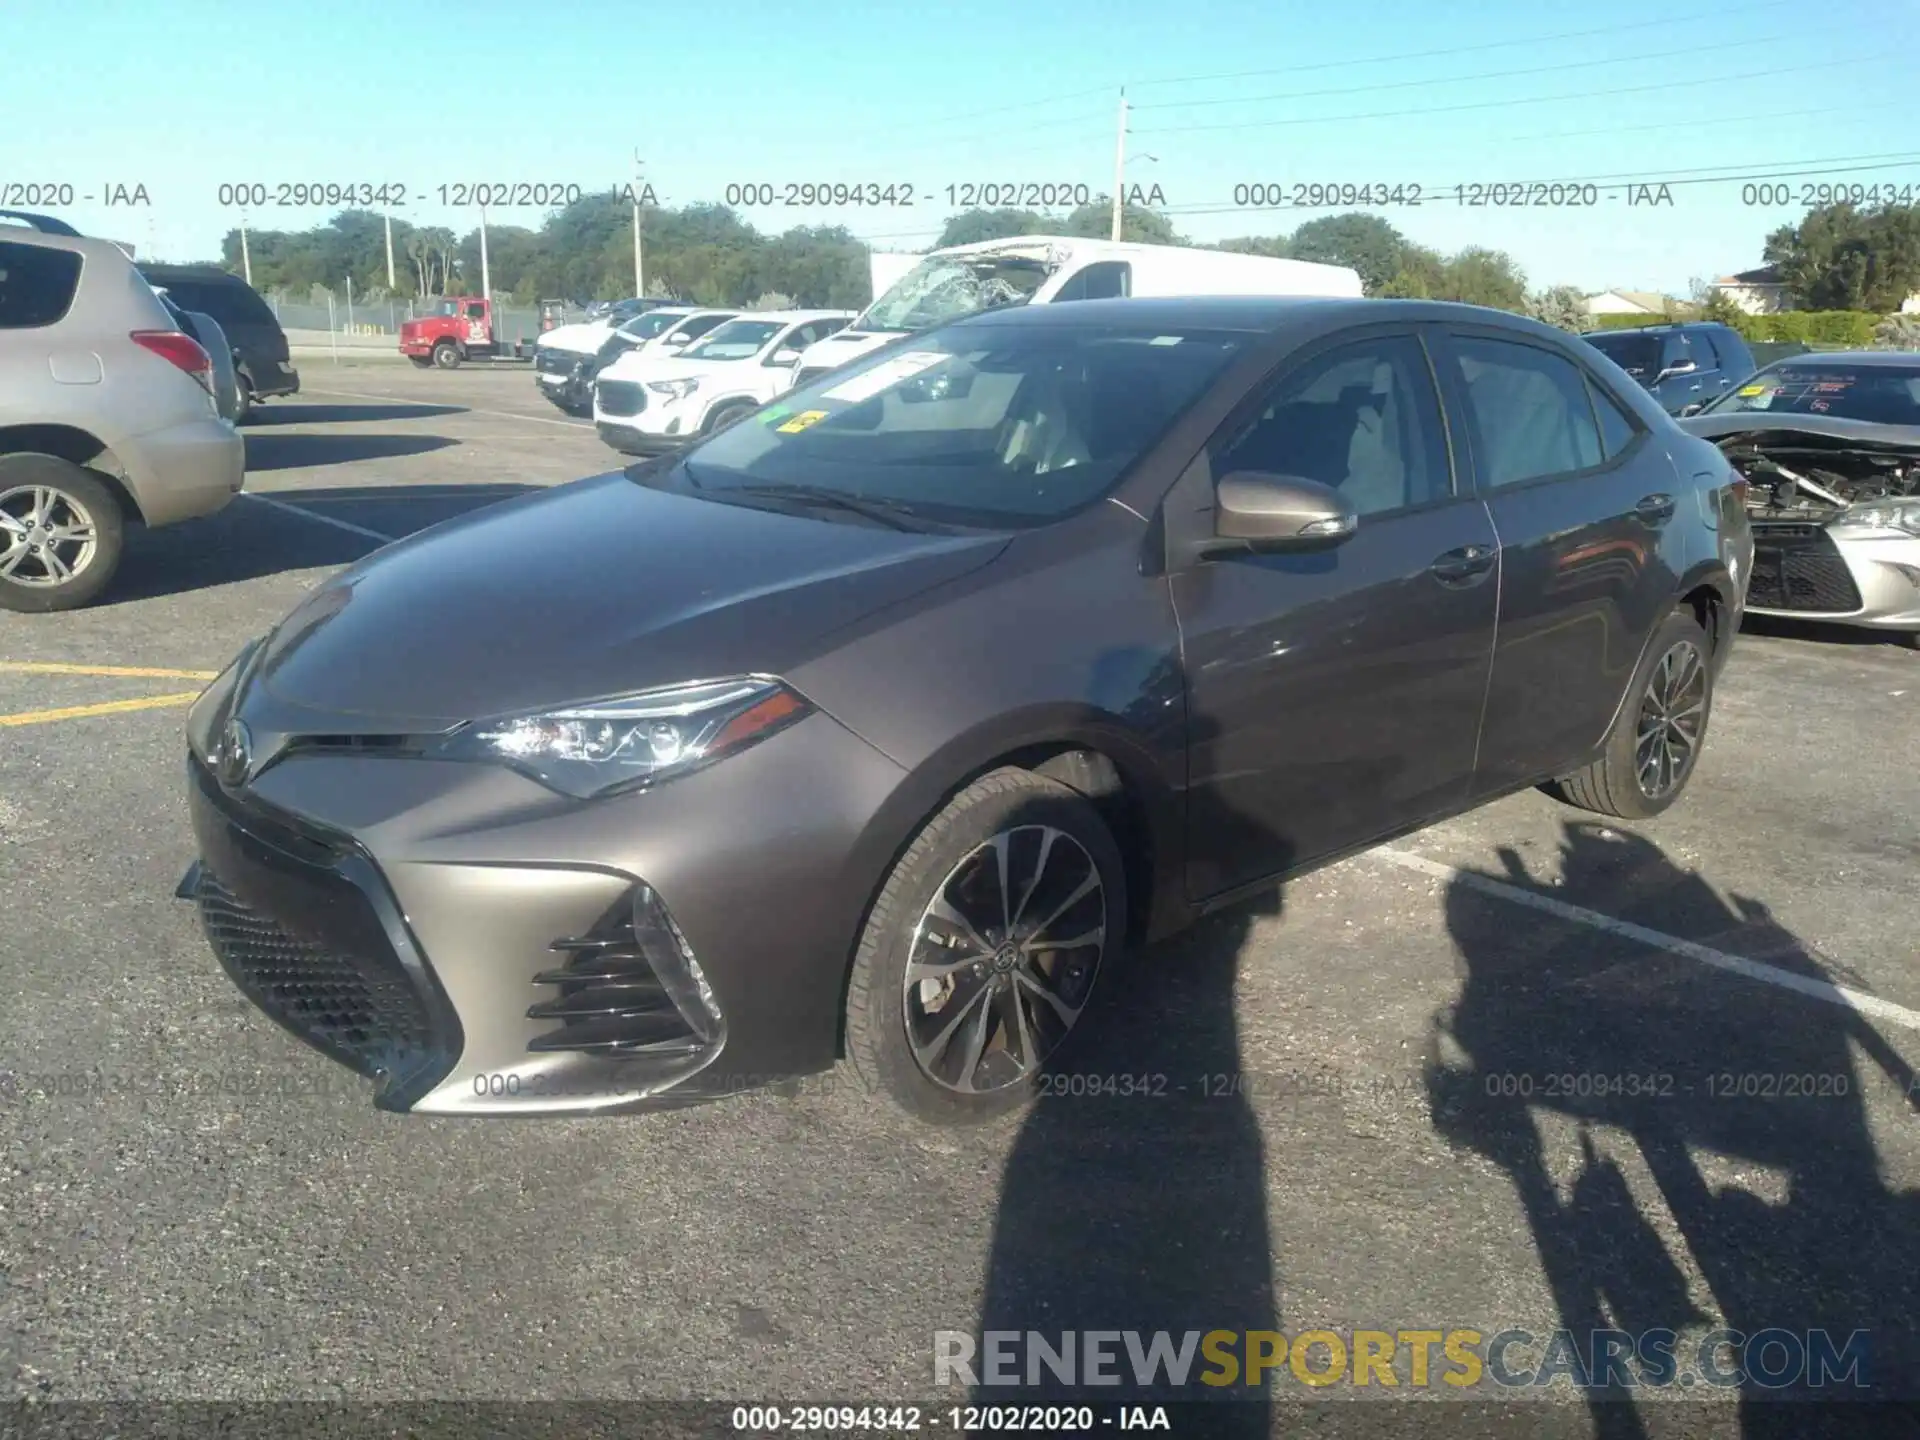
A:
1635,302
1760,292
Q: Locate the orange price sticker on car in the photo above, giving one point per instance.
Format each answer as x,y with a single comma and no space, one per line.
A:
802,421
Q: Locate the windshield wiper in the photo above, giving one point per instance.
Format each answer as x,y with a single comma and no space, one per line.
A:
894,514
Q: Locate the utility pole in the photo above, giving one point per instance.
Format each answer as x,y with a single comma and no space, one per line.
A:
246,260
639,187
486,276
1120,165
390,281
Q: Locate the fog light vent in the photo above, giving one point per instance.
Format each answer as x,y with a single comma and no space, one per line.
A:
631,990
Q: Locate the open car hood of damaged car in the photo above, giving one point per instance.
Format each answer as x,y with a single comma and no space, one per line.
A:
1763,425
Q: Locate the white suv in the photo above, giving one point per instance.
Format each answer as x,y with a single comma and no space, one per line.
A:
107,416
647,405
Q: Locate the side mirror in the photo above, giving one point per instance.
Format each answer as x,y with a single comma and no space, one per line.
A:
1278,512
788,356
1685,367
1693,407
676,342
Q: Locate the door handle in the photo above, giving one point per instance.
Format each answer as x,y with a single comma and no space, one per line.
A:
1655,507
1466,565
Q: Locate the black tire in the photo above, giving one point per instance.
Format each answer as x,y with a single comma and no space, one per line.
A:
1612,785
20,476
421,362
726,414
1910,639
245,389
880,1010
446,355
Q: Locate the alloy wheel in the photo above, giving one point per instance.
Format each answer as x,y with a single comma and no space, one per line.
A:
1672,712
1004,958
47,538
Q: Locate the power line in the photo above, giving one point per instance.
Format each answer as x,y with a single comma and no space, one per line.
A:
1462,79
1666,85
1719,16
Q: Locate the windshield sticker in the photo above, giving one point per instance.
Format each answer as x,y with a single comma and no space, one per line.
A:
1753,389
801,421
883,376
1165,340
775,412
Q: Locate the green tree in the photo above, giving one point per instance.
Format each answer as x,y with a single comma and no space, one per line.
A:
1560,305
1842,257
1362,241
1420,275
1479,276
1274,247
1137,223
970,227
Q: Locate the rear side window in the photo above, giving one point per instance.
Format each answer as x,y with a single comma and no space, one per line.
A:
1617,432
230,304
1530,411
37,285
1701,345
1103,280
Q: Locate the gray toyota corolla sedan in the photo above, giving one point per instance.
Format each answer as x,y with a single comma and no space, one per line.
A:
875,724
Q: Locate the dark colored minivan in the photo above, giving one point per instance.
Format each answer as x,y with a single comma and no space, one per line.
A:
1685,365
261,360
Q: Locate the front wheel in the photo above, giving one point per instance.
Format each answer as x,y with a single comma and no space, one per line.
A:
61,534
446,355
1655,743
980,954
725,415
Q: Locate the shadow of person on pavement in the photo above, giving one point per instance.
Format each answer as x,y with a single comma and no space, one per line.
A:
1744,1099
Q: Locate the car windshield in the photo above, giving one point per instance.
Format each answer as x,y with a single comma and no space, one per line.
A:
645,327
1002,426
1638,355
1880,394
441,307
946,287
735,340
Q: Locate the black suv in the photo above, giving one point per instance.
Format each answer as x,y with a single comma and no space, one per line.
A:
1685,364
261,361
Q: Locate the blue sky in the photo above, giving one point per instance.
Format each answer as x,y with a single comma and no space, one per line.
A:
180,96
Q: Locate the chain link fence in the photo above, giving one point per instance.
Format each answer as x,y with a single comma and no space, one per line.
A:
328,318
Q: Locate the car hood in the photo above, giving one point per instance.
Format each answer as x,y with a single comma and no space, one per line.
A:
592,589
585,337
1762,423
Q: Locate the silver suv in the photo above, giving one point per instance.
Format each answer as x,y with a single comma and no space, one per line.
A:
107,416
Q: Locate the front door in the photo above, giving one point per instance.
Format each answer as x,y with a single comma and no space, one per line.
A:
1336,695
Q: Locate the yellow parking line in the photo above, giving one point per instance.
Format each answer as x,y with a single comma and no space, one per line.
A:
48,667
110,707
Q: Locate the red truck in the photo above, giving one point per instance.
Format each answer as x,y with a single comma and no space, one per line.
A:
457,329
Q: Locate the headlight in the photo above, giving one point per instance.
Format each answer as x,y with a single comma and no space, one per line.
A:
1884,515
675,388
589,749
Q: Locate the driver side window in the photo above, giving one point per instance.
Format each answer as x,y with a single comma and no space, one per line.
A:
1362,418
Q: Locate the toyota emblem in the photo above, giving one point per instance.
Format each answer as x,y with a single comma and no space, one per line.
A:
236,753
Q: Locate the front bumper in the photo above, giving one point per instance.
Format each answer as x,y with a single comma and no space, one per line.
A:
630,441
405,916
186,470
1810,572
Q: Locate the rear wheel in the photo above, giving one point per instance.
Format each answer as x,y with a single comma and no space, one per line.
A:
243,391
61,534
981,952
1656,740
446,355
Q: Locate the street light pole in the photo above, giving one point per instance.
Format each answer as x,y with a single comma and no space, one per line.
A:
639,270
486,276
390,280
1120,165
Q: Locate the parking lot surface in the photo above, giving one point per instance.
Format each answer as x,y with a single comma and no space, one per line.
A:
1523,1069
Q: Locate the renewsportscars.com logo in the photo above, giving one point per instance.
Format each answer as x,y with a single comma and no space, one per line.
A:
1418,1359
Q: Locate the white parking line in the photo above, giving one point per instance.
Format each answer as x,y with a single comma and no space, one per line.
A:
315,515
474,409
1820,990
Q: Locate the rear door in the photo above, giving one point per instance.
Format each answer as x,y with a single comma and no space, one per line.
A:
1581,494
1334,696
1709,378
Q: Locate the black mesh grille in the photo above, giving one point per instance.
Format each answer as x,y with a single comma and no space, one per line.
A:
620,397
1798,567
361,1009
295,916
555,361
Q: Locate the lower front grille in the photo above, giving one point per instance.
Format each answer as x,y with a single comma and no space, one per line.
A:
1799,567
302,922
362,1009
554,361
620,397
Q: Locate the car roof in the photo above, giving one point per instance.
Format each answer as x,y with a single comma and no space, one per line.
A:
1262,314
791,317
1658,329
84,245
1851,357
